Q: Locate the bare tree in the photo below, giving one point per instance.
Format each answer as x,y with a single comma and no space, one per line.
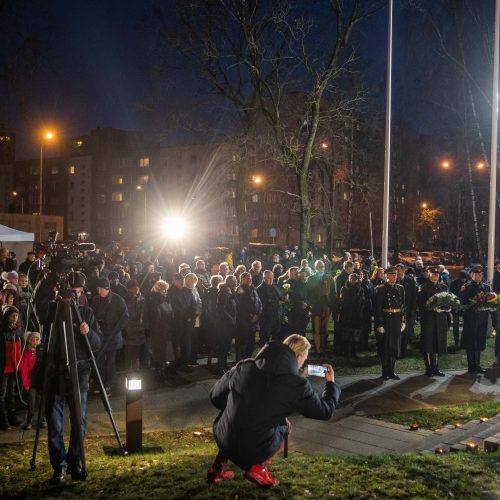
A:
277,65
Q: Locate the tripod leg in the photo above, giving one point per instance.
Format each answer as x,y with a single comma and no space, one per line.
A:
75,387
49,359
102,391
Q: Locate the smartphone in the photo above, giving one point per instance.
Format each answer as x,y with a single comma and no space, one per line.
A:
316,370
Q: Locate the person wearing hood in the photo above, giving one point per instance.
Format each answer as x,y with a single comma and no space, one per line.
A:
254,399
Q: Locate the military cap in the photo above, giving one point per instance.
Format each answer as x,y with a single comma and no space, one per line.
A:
476,269
391,270
434,269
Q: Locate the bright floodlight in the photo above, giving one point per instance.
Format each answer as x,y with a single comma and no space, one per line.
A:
174,227
49,135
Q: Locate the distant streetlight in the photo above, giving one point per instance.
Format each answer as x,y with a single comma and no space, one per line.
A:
445,164
15,194
141,188
480,165
324,145
424,205
257,179
47,137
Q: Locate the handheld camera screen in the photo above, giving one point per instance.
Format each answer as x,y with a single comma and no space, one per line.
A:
316,370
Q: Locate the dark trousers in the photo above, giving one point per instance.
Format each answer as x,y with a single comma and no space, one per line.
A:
388,363
222,347
473,361
54,413
270,329
33,399
7,394
456,328
132,358
185,337
106,363
245,344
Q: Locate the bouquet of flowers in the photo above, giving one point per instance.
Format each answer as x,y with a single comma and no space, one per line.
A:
287,305
485,301
443,302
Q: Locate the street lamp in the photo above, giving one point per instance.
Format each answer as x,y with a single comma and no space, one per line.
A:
143,188
480,165
424,205
48,136
445,164
15,194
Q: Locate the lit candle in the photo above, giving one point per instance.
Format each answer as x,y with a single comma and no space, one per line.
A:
471,446
413,427
483,419
439,450
458,425
197,434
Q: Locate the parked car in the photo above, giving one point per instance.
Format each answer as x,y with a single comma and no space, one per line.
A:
407,257
428,258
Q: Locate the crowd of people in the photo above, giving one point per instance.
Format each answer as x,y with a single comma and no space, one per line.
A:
151,312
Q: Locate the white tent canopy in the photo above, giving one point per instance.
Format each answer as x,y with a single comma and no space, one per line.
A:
8,235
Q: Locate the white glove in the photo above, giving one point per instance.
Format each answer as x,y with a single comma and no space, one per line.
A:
380,329
403,326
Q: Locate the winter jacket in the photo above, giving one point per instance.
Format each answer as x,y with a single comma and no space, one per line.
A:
134,334
26,366
254,399
10,347
112,315
249,309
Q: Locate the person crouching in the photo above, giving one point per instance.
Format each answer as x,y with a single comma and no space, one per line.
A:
254,399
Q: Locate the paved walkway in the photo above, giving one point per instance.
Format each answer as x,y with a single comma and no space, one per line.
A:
186,406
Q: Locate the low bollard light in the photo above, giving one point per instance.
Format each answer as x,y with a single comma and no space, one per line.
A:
133,414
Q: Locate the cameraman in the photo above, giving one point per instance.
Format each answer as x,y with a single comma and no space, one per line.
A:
254,399
59,390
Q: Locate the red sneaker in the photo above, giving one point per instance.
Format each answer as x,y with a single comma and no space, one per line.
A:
260,475
215,476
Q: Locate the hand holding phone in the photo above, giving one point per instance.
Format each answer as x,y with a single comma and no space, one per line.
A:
316,370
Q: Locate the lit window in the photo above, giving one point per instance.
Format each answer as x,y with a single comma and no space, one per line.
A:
346,196
54,170
117,196
144,162
72,169
119,230
117,180
402,200
79,143
143,179
233,194
255,198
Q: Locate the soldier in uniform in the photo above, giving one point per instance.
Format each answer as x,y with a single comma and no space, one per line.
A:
389,322
475,322
434,324
410,286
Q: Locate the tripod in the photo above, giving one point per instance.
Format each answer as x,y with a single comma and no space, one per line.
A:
61,335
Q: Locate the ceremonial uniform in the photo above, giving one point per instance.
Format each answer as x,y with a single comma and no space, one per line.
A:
389,320
475,325
434,328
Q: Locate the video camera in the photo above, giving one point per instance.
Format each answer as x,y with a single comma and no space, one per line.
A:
66,256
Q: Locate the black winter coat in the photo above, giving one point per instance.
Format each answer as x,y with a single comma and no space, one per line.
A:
475,322
272,309
183,305
434,325
227,310
112,315
58,373
256,396
249,306
351,304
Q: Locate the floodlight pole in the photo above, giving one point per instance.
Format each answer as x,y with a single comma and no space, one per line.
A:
494,138
387,163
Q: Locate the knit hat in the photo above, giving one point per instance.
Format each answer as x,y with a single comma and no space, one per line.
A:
12,275
103,283
8,310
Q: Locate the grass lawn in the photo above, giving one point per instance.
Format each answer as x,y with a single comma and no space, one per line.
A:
435,418
173,465
369,362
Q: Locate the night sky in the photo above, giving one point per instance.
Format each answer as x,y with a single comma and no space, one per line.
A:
97,71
